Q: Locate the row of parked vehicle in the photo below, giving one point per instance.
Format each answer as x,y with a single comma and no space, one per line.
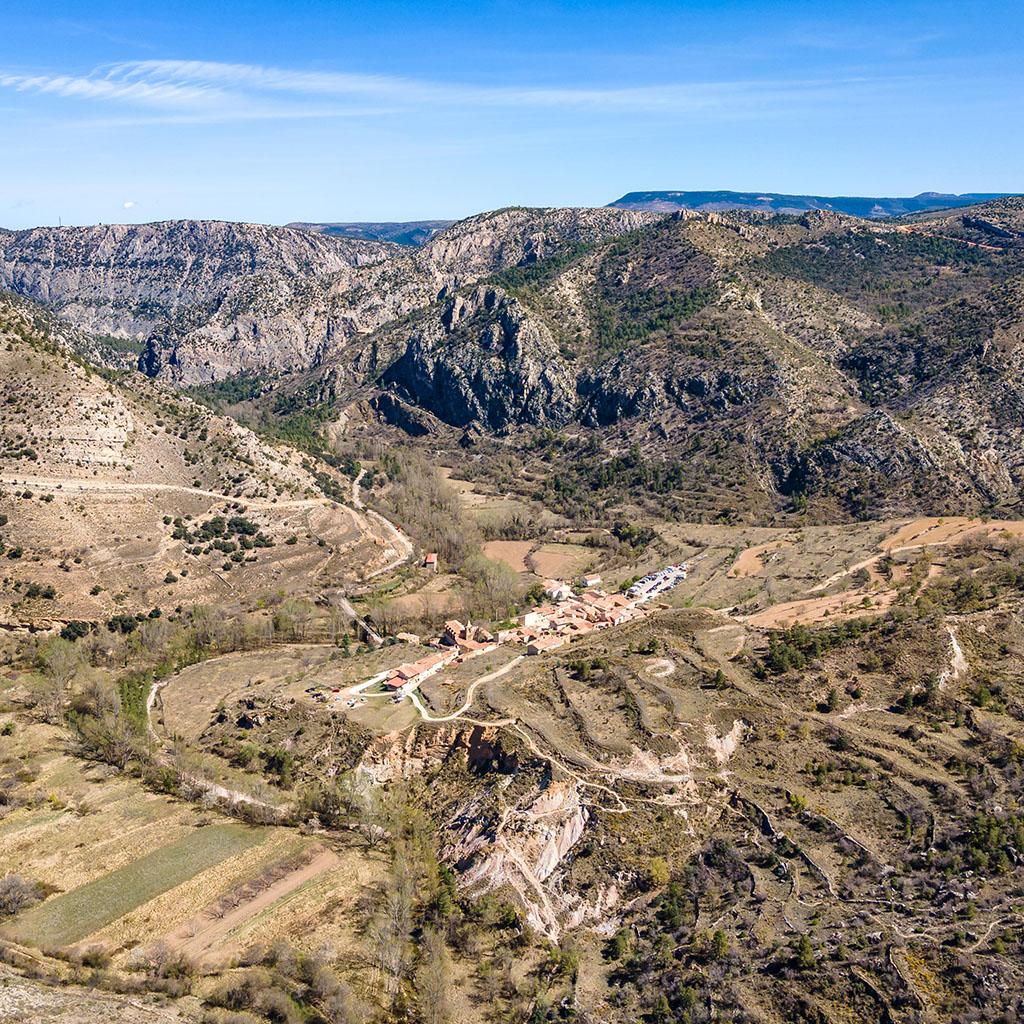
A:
655,583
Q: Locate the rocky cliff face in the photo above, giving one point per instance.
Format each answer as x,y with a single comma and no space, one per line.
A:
514,830
212,300
634,328
485,361
524,850
130,280
868,369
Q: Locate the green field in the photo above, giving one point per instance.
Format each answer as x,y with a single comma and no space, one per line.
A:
71,916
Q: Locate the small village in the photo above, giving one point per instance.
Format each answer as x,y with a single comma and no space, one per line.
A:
569,613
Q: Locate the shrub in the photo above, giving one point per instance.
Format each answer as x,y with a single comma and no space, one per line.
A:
17,893
76,629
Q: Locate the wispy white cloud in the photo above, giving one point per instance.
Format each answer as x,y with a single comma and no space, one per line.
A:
164,99
203,91
165,94
251,78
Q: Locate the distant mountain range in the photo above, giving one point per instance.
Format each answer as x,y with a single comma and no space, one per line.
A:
419,232
411,232
776,202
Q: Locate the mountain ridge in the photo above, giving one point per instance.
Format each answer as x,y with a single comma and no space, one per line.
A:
210,299
867,369
822,357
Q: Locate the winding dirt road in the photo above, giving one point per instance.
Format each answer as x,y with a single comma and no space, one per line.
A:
496,674
356,497
208,787
72,484
403,546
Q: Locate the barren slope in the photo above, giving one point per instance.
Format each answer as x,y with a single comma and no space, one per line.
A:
120,494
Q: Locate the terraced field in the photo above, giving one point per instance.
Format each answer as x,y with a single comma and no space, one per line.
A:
73,916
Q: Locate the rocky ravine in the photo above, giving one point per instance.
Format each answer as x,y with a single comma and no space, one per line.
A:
520,824
869,368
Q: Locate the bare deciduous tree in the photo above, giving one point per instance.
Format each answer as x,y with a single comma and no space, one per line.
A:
16,893
154,635
434,980
60,661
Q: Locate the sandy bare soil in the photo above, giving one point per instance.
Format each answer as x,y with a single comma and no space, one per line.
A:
561,561
753,560
512,552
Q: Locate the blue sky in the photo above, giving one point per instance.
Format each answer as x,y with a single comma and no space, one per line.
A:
275,111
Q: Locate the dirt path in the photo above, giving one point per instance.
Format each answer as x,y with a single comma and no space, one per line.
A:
496,674
356,498
957,660
729,639
403,546
151,699
1011,920
843,573
950,238
200,938
531,743
70,484
899,756
348,609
